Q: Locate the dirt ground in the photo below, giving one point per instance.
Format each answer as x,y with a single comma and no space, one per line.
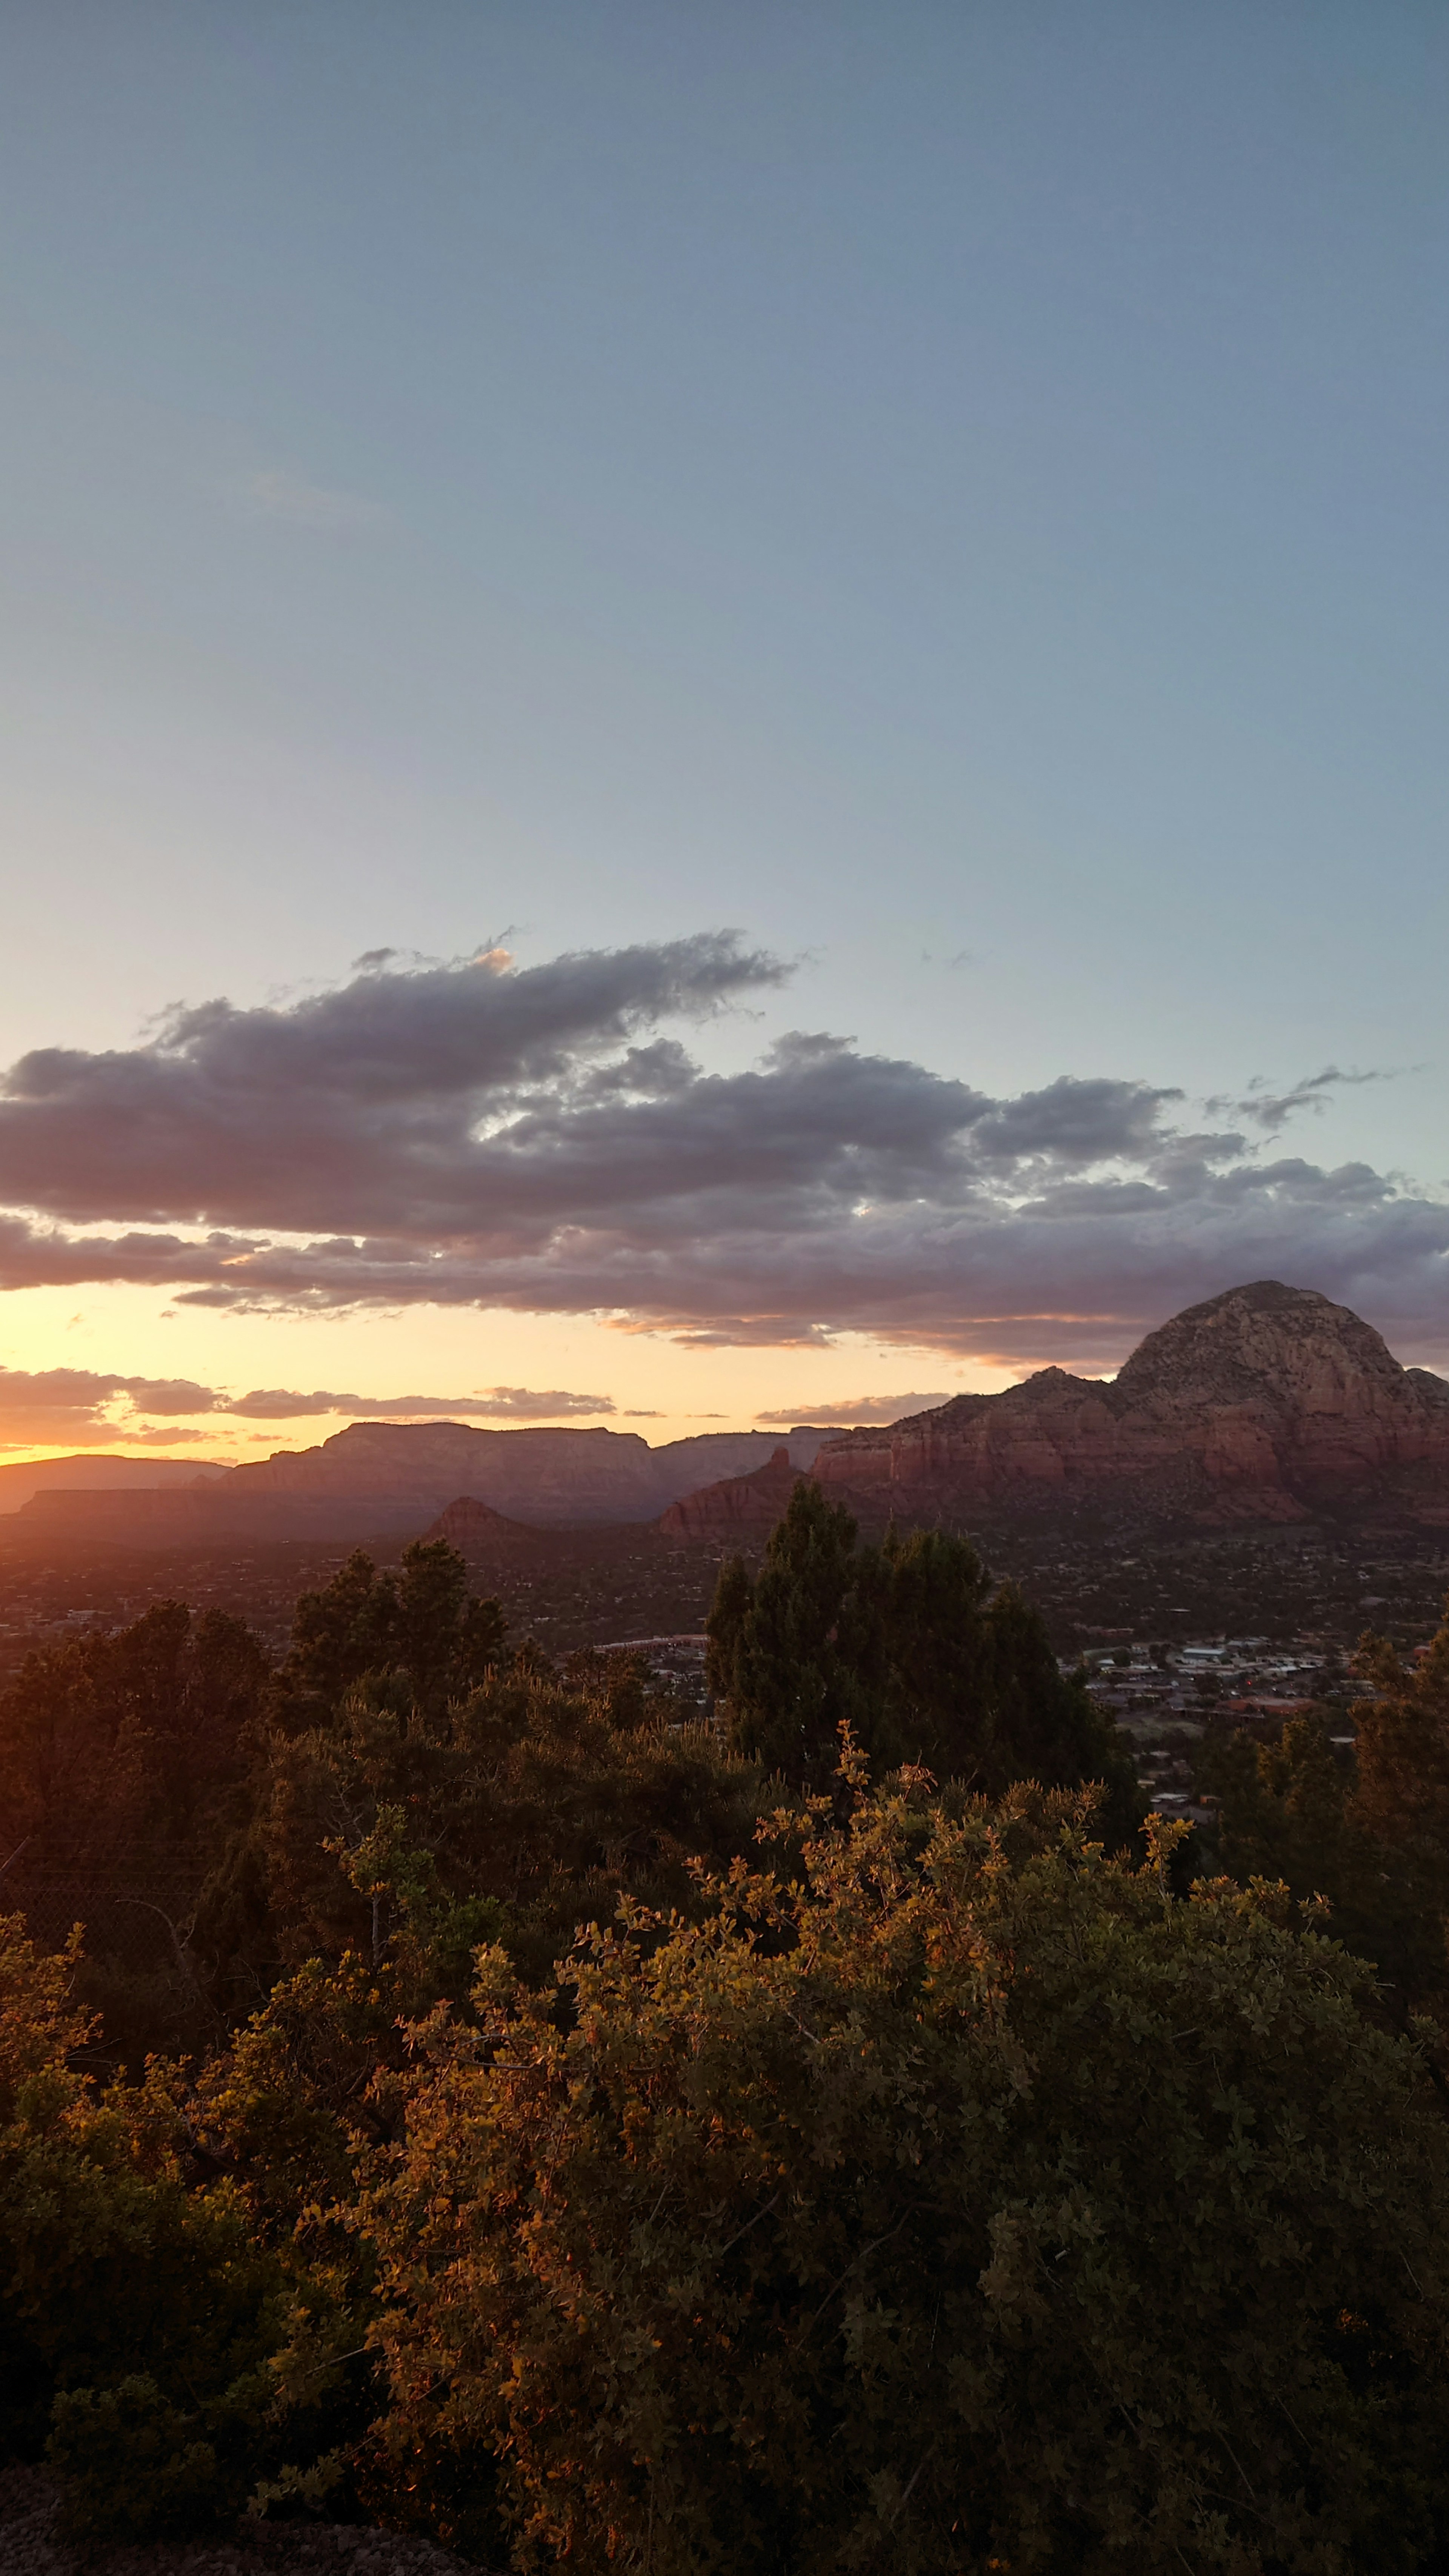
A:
29,2546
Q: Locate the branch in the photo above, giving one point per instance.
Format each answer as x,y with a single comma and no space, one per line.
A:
749,2223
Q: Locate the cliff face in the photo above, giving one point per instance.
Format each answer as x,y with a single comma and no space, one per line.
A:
378,1477
1265,1404
547,1477
536,1475
752,1502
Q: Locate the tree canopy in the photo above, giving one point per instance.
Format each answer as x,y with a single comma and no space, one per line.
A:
602,2133
912,1646
1365,1826
964,2201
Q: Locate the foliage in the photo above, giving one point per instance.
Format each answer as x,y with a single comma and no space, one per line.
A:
898,2180
422,1625
970,2202
144,2330
1371,1834
540,1797
1403,1743
120,1759
386,1847
115,1743
909,1645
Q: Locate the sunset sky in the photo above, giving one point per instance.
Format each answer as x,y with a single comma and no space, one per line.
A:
710,715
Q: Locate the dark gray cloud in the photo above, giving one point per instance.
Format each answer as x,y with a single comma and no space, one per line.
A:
542,1140
357,1110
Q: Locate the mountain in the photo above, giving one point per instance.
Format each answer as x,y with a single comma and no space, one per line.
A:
1268,1403
753,1502
402,1468
492,1544
97,1471
377,1478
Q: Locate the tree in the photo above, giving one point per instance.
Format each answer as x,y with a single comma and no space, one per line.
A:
776,1649
130,1742
912,1647
422,1625
144,2333
1371,1834
962,2201
545,1796
1402,1746
120,1758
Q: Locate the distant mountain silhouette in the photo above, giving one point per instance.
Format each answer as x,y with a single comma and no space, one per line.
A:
381,1478
485,1537
97,1471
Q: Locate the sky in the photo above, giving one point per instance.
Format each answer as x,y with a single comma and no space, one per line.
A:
710,715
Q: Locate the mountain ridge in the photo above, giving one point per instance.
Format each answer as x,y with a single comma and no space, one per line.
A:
1266,1403
377,1477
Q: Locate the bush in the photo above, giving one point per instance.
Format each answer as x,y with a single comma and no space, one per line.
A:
145,2331
967,2202
1369,1833
911,1646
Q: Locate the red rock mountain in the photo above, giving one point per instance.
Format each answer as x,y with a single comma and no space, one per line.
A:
380,1477
484,1536
544,1475
753,1502
1268,1403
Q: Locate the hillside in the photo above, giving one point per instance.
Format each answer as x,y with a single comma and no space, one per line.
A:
1266,1404
377,1477
736,1504
97,1471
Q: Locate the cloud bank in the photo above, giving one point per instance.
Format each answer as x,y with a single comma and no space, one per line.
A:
90,1407
86,1407
486,1404
847,1413
543,1140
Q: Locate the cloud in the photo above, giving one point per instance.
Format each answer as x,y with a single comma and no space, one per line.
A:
88,1406
402,1107
79,1406
274,494
493,1404
472,1133
1271,1110
167,1395
863,1409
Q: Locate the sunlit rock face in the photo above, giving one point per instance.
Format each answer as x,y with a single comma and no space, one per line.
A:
1268,1403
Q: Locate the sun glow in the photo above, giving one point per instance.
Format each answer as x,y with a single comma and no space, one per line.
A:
648,1382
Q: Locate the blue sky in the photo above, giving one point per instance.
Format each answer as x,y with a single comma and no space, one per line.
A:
956,492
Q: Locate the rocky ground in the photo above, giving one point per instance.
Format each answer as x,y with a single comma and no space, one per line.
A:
30,2545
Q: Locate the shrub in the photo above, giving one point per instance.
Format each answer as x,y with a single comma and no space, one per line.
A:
967,2202
145,2331
912,1647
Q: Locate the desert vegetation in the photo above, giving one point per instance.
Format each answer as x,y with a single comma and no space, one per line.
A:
490,2097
